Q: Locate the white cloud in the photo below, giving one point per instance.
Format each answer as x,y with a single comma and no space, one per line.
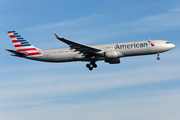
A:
151,23
175,10
62,24
75,83
89,29
159,107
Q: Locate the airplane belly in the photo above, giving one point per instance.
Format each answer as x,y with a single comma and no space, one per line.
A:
59,57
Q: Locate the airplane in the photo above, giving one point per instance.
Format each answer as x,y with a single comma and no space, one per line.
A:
110,53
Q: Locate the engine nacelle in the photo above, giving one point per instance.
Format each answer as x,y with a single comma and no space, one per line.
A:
111,54
113,61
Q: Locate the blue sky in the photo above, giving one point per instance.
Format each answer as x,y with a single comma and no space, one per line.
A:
139,88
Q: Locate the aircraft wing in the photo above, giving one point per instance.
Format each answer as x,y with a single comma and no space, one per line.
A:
86,50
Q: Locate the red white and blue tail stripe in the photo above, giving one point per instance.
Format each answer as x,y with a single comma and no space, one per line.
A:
22,45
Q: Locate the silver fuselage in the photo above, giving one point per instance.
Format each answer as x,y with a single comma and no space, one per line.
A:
123,49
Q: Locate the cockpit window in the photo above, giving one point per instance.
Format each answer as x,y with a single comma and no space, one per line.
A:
167,42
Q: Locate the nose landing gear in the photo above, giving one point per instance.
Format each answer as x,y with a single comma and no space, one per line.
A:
91,65
158,58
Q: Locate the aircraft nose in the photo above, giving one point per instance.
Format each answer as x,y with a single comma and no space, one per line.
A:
171,46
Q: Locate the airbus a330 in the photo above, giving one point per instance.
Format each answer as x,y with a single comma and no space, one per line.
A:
110,53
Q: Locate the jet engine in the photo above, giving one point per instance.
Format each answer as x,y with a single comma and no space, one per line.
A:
113,61
113,57
111,54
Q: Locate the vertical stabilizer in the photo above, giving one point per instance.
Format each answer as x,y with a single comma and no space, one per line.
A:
22,45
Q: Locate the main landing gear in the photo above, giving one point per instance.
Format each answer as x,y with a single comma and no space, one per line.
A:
158,58
91,65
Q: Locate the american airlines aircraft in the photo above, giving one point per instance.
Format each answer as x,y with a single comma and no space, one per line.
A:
110,53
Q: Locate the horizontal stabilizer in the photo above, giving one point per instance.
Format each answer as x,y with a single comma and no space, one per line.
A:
16,53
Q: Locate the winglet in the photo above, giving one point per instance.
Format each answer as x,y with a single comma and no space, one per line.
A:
57,36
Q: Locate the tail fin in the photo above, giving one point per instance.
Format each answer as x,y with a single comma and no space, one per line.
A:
22,45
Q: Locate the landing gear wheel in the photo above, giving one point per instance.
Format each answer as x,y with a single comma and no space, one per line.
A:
90,68
158,58
88,65
95,65
91,65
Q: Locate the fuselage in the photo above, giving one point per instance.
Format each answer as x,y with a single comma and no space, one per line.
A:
110,53
123,49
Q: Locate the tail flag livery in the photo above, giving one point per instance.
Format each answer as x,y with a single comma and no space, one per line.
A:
23,46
